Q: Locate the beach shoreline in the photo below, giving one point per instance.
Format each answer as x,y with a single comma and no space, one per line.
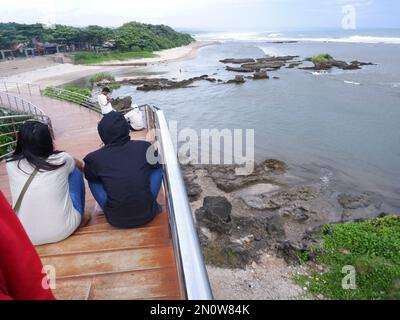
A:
49,73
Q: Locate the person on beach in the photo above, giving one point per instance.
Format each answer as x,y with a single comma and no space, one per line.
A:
104,101
47,188
21,271
121,179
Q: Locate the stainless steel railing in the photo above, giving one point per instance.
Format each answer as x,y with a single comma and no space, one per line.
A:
14,112
77,98
189,258
20,88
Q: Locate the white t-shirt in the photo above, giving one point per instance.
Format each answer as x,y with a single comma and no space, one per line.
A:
105,105
135,118
46,212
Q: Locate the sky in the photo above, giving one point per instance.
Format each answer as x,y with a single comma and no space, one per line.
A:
206,15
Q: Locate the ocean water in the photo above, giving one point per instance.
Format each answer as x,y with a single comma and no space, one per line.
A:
339,127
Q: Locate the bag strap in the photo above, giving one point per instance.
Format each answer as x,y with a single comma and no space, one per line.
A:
24,190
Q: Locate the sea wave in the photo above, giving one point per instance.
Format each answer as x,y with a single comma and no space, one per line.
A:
352,82
275,36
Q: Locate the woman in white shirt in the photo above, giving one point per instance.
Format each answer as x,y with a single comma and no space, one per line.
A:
54,204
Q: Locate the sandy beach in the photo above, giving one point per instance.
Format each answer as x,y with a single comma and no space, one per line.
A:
44,71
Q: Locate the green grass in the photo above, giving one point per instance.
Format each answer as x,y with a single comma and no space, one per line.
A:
98,77
321,58
95,58
372,248
81,99
84,92
7,129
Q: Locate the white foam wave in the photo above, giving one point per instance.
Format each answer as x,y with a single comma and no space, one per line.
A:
269,37
352,82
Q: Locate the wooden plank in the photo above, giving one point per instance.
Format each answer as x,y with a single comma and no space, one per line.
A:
108,241
148,284
90,264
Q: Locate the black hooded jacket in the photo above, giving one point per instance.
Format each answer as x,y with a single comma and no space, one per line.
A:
122,167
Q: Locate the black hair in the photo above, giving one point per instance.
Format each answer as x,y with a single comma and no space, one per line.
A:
105,89
35,144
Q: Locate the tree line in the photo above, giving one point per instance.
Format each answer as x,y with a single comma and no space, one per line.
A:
132,36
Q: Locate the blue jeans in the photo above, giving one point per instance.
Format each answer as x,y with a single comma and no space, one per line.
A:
100,194
77,191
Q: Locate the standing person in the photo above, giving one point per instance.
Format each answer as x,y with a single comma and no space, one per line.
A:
104,101
48,190
21,271
121,179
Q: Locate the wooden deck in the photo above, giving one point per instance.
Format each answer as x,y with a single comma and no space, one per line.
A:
100,262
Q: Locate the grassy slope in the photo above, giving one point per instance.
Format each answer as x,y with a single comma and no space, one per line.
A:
371,247
94,58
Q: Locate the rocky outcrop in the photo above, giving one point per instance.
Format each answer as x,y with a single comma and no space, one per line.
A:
237,80
331,63
193,189
122,104
243,217
227,180
260,75
153,84
255,65
237,61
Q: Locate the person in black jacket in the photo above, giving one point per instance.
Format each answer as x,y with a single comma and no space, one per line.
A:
121,179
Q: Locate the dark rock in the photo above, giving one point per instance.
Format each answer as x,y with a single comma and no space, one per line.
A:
352,202
276,78
276,227
330,63
291,251
263,65
237,61
237,80
215,214
239,69
122,104
227,180
193,189
293,65
260,75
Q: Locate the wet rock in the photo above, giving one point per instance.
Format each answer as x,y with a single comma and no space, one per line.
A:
352,201
331,63
215,214
193,189
293,65
291,251
260,75
227,180
238,69
255,65
122,104
237,61
237,80
276,227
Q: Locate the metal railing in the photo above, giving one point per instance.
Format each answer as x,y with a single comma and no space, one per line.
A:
189,258
74,97
15,111
20,88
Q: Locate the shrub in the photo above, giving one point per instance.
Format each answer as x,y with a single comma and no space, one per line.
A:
98,77
371,247
321,58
